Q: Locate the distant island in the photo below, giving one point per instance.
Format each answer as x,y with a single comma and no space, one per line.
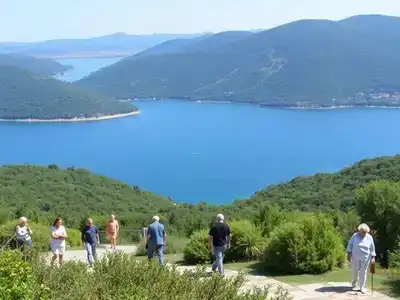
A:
40,66
304,64
26,96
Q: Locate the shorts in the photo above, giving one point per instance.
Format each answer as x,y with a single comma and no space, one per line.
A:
58,249
112,235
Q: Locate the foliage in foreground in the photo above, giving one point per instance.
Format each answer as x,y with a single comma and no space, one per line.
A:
120,276
310,245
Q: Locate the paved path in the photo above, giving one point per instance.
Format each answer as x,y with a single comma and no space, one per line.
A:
332,290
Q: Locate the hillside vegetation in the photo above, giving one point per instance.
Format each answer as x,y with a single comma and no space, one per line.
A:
44,192
25,95
304,63
40,66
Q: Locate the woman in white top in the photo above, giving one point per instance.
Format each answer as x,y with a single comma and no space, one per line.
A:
361,253
23,233
57,242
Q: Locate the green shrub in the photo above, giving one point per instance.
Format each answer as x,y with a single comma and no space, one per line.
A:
174,245
310,245
40,236
120,276
247,242
196,250
16,278
394,259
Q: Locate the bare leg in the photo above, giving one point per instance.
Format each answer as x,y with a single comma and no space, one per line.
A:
60,259
53,259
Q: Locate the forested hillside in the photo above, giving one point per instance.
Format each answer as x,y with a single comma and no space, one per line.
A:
334,191
40,66
304,63
43,192
25,95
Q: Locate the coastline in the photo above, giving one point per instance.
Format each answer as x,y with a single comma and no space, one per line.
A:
263,105
91,119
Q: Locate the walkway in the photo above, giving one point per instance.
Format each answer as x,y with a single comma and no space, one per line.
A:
331,290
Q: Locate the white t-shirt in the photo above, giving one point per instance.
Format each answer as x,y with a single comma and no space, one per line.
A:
23,233
361,248
56,243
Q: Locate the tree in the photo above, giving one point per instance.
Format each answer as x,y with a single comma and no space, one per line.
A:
378,205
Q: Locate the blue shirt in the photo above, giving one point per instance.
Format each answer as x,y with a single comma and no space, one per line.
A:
156,231
89,234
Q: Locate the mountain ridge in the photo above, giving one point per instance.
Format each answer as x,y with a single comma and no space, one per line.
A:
306,63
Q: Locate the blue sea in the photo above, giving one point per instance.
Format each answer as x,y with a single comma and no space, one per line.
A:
195,152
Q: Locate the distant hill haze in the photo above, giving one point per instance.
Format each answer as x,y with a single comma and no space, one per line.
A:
40,66
118,44
308,63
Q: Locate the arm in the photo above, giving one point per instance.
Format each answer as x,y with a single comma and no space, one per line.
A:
373,253
117,226
229,237
210,237
53,234
83,235
349,249
64,234
18,231
98,236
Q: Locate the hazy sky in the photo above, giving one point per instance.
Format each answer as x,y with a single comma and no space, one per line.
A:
30,20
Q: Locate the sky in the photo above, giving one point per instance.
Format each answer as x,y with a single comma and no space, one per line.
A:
35,20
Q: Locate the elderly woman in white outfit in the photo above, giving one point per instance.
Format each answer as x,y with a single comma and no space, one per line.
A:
361,253
57,241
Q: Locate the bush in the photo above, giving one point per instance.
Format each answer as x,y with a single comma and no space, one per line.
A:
40,236
16,278
196,250
174,245
119,276
310,245
247,242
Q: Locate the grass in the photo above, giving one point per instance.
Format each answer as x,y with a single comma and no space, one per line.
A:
382,282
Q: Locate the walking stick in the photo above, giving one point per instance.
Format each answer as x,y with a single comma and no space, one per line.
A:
372,269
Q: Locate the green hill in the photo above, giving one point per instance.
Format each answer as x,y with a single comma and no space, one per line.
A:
25,95
333,191
45,192
41,193
40,66
304,63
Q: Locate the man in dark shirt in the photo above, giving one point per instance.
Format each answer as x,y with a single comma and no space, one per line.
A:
219,241
90,238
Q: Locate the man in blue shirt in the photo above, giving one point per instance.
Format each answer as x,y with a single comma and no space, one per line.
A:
156,237
90,238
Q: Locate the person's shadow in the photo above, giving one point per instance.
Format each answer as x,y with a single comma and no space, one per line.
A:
336,289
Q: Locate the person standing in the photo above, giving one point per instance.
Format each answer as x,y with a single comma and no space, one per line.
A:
57,242
361,253
23,234
156,238
112,231
90,239
219,241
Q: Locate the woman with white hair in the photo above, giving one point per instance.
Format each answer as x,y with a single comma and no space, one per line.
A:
361,253
23,233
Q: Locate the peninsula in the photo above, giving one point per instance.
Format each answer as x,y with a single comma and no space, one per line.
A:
29,97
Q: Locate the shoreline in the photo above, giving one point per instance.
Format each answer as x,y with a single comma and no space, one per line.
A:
349,106
91,119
